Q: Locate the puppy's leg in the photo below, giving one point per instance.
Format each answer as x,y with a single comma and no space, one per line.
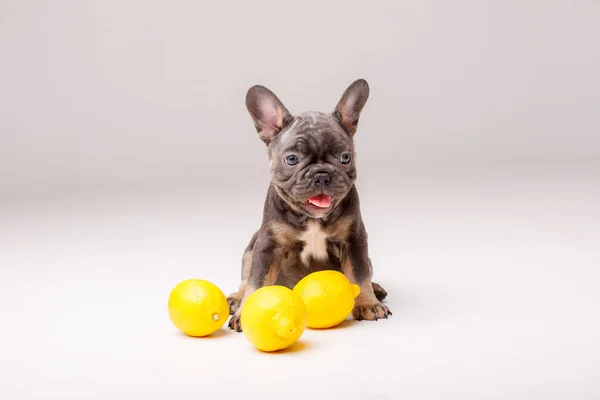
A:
357,268
235,299
262,271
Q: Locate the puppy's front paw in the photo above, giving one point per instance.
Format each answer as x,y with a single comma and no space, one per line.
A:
234,300
235,323
370,311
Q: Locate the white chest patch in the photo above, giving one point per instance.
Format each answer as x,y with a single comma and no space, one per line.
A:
315,243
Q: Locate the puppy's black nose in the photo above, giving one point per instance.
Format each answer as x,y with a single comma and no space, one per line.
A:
322,178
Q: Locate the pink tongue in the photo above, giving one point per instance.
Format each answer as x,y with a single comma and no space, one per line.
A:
320,201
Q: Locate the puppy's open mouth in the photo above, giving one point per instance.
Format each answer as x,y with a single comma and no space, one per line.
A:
320,202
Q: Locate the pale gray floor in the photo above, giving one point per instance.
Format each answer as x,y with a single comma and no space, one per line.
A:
493,281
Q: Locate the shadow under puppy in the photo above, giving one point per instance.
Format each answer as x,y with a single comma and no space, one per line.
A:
311,216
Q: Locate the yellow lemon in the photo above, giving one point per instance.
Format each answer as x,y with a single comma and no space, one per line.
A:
273,318
328,296
198,307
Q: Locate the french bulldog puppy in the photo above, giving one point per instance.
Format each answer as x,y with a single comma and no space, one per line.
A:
311,216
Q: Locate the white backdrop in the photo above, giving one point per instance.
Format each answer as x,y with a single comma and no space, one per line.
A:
107,93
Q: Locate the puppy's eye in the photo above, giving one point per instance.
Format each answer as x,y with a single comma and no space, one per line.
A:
291,160
345,158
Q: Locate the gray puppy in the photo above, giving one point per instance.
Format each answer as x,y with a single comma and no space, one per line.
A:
311,217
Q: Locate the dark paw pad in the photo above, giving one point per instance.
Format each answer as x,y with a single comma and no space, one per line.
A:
371,312
235,323
380,292
234,304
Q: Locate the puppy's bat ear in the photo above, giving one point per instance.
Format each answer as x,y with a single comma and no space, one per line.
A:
351,104
268,113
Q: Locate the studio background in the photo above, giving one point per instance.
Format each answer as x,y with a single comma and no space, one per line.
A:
128,162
